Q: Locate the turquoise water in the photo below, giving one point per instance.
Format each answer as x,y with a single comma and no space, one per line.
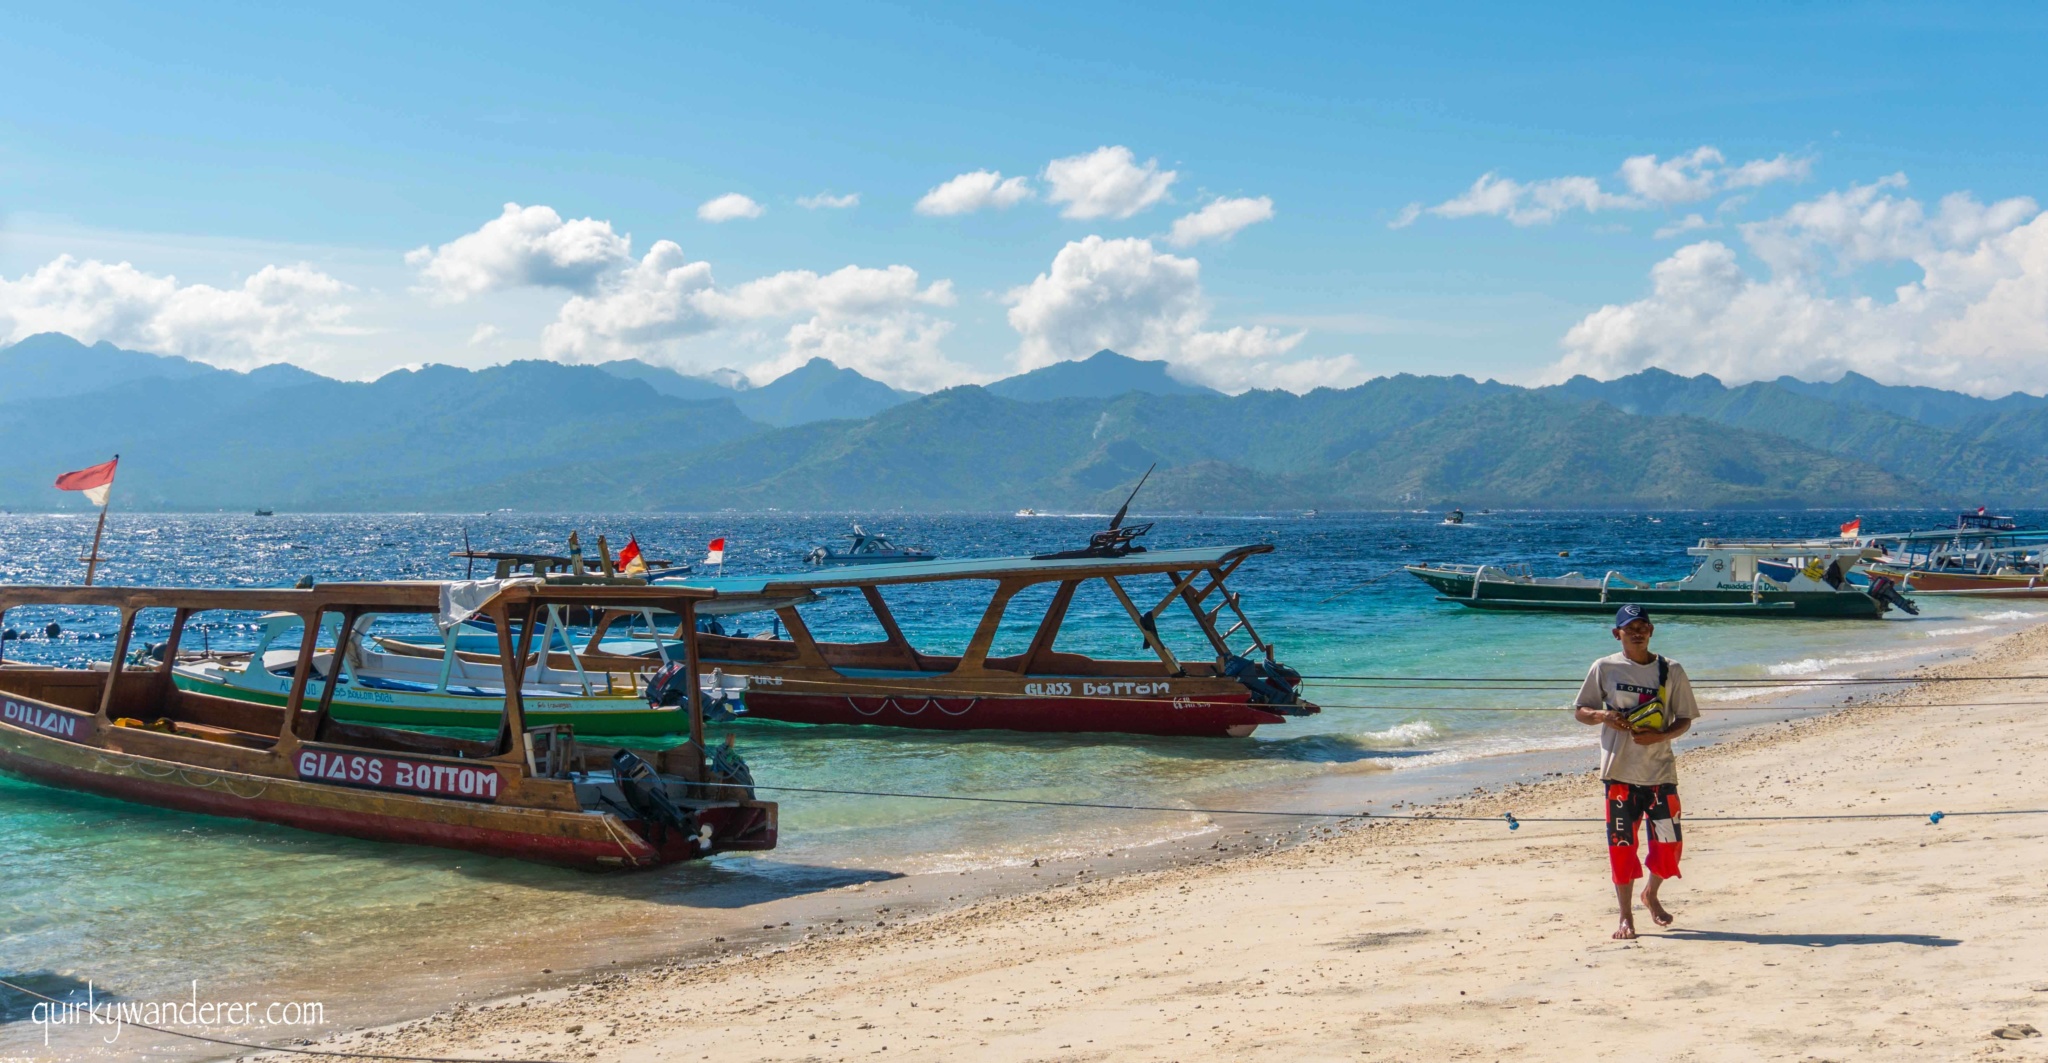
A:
140,900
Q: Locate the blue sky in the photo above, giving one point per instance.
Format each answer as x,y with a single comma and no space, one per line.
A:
205,144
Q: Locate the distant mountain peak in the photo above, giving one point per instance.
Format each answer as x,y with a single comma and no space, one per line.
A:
1102,375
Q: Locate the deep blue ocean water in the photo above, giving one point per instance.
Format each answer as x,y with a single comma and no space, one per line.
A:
144,899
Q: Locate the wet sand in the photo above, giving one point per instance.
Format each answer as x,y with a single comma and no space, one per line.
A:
1863,939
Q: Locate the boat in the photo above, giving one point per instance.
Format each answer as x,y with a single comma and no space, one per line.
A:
379,686
1456,516
1982,556
866,549
1027,512
1808,578
1310,514
127,731
264,513
792,675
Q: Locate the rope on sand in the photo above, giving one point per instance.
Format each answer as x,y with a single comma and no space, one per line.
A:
1513,822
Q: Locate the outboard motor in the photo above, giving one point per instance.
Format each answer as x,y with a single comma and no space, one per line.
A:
647,796
1272,684
1887,593
669,687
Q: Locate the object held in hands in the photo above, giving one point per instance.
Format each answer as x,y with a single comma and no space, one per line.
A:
1649,716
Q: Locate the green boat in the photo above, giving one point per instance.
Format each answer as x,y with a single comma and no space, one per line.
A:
1802,579
455,689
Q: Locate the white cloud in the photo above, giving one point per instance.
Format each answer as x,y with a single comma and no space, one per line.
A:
974,191
873,320
1106,183
1220,220
1688,178
484,334
1129,297
1530,204
523,246
272,315
729,207
1687,224
828,201
1975,320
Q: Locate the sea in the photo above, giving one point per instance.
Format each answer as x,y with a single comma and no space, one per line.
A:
139,904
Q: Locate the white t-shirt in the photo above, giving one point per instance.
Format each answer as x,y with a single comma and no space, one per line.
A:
1615,682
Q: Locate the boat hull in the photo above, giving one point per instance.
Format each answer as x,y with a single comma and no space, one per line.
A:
1541,598
580,840
1205,717
1964,584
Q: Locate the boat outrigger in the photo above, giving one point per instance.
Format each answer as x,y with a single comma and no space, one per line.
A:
1761,578
534,792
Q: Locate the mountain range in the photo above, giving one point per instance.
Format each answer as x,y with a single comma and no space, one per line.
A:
633,436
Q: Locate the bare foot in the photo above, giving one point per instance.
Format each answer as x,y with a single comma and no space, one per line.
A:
1657,911
1626,932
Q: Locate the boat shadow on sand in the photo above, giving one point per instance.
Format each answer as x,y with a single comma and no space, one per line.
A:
761,736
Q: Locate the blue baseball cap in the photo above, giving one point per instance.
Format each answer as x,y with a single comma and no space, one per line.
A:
1627,613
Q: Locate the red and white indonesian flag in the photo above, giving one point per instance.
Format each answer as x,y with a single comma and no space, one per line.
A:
715,554
95,482
630,561
1850,529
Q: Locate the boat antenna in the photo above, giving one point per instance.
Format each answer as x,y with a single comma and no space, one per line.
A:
467,552
1123,510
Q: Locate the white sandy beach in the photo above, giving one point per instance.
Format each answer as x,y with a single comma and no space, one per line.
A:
1873,939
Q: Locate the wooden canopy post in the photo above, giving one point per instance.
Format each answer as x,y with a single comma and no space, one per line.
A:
302,672
1049,628
975,657
687,609
166,685
349,613
114,669
512,662
1145,627
889,627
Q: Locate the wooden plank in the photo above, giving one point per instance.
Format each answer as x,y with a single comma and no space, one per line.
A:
1151,634
888,621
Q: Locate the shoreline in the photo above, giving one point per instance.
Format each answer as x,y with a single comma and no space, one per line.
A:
820,911
1081,888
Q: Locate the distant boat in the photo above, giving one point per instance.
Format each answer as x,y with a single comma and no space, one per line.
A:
1457,516
867,549
1763,578
1027,513
264,513
1310,514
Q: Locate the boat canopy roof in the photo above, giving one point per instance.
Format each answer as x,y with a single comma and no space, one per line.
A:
396,596
1785,548
1027,569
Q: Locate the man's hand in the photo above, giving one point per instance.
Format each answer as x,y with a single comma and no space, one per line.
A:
1651,738
1604,717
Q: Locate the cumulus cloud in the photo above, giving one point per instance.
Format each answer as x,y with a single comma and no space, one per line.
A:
1130,297
873,320
484,334
274,313
1106,183
1650,182
1975,320
974,191
828,201
1220,220
731,206
523,246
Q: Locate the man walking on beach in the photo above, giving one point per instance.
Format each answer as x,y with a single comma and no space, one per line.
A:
1640,701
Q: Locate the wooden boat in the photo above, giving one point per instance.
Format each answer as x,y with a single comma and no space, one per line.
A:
1763,578
534,793
1983,556
799,678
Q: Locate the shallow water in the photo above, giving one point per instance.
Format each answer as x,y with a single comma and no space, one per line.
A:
143,901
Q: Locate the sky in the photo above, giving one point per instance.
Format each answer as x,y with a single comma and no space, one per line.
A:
1267,196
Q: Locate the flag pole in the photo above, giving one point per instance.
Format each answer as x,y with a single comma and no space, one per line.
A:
92,561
